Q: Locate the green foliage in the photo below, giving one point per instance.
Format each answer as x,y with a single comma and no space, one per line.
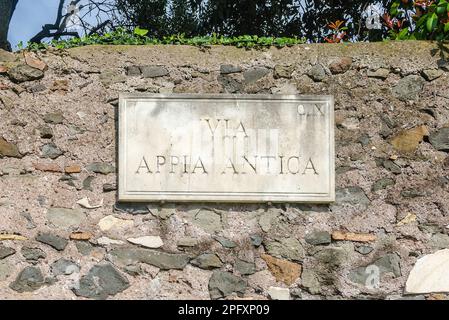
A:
140,37
273,18
418,20
140,32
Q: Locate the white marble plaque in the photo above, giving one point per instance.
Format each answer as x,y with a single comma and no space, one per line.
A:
226,148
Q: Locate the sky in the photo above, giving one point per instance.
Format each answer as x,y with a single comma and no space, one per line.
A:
29,17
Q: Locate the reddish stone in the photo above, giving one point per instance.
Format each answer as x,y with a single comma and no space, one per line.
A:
48,167
72,169
33,61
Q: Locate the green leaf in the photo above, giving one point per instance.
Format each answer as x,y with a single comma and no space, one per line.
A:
403,34
446,27
432,22
140,32
442,8
394,8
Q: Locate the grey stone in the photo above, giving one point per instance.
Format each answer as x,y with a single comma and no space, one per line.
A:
153,71
388,120
101,167
380,73
331,257
352,195
283,71
207,261
310,281
244,267
87,183
412,193
6,269
54,117
430,228
256,240
64,267
431,74
29,279
37,88
84,247
131,208
440,139
385,132
50,150
254,74
392,167
443,64
65,218
408,88
33,254
133,71
223,284
187,242
17,122
287,248
45,132
162,260
364,249
230,84
317,73
68,179
52,240
108,187
23,72
317,237
364,139
229,68
267,219
102,281
208,220
226,242
389,263
6,252
133,270
165,211
382,184
30,223
439,241
110,77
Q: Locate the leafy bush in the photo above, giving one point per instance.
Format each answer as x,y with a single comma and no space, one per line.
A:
140,37
418,20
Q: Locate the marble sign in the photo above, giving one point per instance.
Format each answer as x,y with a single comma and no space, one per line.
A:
226,148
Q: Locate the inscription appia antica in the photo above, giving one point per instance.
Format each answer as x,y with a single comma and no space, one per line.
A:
226,148
248,164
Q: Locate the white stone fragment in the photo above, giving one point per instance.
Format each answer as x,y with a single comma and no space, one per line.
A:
105,241
111,222
277,293
148,241
85,203
430,274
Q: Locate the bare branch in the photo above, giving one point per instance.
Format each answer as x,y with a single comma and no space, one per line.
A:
101,13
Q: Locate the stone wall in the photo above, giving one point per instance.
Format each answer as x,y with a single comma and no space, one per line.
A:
64,236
